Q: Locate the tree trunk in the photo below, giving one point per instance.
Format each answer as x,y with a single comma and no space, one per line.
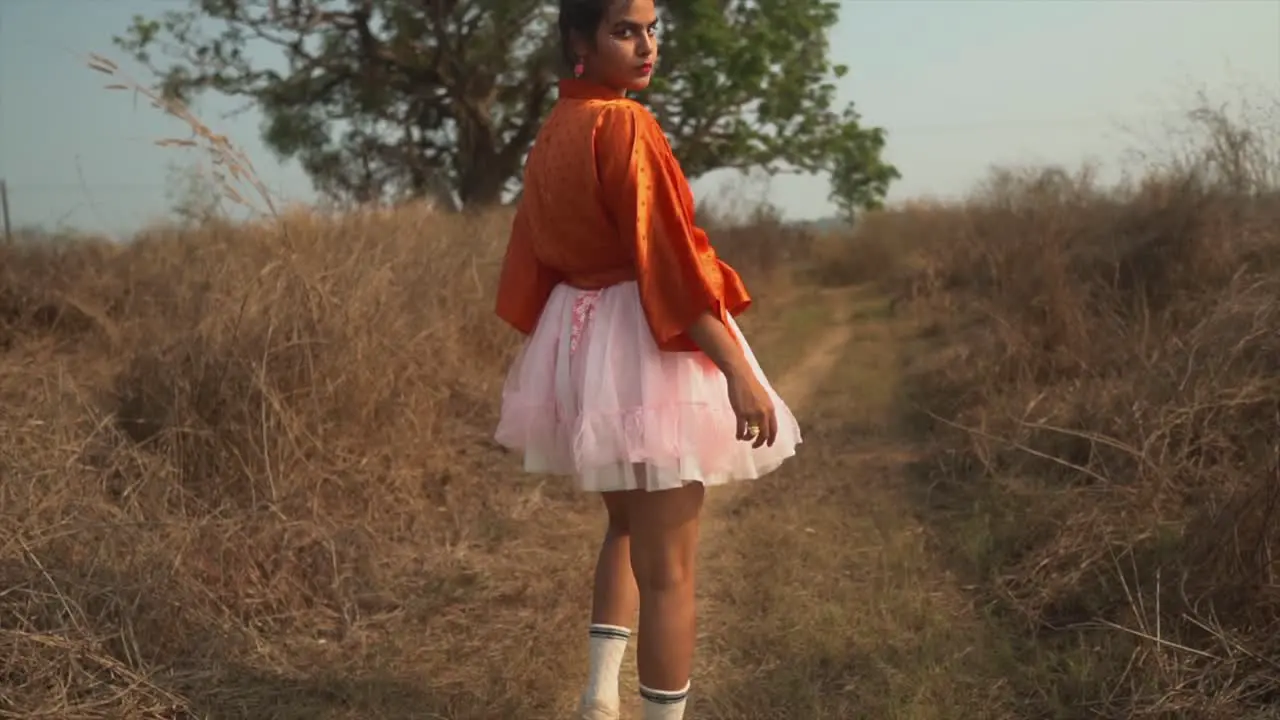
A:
484,182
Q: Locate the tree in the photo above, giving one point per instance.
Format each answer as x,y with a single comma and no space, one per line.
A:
392,98
752,87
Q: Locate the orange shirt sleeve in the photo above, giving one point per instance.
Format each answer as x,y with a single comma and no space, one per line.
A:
649,199
524,283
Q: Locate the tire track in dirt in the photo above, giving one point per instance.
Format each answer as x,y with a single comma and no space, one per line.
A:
797,386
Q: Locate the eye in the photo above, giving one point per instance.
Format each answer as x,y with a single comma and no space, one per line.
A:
630,31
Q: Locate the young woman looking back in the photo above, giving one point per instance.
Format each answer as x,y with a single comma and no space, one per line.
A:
634,377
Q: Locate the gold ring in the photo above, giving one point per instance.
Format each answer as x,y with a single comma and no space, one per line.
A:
753,430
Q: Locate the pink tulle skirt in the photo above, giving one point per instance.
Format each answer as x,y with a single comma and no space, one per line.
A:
590,395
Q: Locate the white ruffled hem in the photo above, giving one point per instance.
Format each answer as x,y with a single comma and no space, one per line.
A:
591,396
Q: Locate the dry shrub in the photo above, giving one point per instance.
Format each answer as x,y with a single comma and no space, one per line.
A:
895,249
763,251
866,254
215,436
749,233
1114,367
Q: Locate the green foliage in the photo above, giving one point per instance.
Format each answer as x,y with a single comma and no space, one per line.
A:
384,98
753,87
860,177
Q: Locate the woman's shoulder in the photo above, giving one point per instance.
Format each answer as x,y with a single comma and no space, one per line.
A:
622,107
628,117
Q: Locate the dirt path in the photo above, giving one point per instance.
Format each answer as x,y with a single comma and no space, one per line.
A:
818,595
800,382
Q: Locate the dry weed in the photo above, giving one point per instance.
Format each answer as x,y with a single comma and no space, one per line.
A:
211,443
1113,378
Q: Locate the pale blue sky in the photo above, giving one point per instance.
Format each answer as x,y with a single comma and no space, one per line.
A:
960,85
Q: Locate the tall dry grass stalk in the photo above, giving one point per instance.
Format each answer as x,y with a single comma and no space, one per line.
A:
231,170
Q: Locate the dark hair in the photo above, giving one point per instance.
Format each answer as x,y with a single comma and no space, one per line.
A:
582,17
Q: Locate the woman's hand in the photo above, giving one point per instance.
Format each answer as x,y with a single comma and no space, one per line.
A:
751,403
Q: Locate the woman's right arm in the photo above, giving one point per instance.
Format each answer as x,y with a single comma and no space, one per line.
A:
643,187
713,338
748,398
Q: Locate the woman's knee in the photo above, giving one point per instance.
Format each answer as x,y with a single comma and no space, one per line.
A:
665,568
664,538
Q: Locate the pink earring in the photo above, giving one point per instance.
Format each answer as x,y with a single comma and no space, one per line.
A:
578,69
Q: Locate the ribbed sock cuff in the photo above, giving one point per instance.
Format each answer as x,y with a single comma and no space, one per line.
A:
664,697
609,632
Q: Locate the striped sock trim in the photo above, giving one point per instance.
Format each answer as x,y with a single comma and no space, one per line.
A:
664,697
609,632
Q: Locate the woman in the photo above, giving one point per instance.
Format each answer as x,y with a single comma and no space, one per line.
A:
634,378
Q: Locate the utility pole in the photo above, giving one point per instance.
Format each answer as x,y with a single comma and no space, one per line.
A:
4,211
4,191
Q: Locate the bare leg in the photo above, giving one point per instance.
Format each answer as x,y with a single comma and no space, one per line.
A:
616,597
613,609
664,540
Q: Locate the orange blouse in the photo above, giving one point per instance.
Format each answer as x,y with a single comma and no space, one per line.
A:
605,201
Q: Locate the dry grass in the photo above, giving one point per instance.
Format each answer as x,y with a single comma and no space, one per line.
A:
869,256
213,446
1103,396
239,462
247,469
247,473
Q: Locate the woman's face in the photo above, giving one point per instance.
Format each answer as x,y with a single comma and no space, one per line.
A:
626,46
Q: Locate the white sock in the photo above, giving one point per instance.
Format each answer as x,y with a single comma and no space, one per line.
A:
664,704
608,645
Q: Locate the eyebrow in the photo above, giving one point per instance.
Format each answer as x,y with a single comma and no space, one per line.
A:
633,24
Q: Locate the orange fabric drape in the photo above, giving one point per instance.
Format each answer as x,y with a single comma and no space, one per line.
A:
605,201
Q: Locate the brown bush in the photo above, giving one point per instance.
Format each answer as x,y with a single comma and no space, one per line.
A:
765,252
231,432
1114,366
751,237
867,254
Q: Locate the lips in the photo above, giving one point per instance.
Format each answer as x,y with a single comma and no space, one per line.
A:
646,68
